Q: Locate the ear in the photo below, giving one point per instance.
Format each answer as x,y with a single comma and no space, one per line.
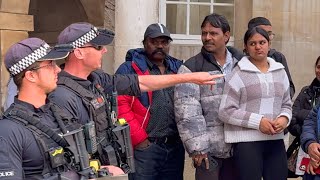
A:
31,76
226,37
79,53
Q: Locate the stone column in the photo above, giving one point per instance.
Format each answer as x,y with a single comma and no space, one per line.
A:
131,20
243,13
14,26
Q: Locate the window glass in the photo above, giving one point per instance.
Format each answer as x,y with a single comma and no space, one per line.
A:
176,18
197,14
208,1
228,12
224,1
184,17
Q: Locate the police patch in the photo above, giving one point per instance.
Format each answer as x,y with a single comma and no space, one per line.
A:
6,173
97,102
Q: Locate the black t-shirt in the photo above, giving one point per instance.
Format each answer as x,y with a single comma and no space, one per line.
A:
20,155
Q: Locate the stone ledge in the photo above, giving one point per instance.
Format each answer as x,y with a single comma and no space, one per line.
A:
19,22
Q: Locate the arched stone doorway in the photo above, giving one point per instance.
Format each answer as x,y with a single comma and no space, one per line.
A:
52,16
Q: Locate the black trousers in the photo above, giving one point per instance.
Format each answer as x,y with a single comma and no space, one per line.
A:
258,159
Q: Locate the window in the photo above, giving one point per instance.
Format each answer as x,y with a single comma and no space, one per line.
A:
183,18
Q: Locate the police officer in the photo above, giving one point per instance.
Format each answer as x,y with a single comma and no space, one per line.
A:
29,130
83,87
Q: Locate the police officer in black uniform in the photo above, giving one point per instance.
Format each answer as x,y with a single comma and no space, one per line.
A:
32,146
83,88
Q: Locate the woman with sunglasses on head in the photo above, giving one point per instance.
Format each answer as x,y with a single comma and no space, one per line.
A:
256,107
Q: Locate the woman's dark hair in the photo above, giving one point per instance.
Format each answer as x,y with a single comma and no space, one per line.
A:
253,31
317,61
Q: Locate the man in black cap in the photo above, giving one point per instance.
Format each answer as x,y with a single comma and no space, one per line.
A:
29,129
159,153
83,88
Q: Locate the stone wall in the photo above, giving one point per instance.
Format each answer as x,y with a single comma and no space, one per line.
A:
14,26
296,25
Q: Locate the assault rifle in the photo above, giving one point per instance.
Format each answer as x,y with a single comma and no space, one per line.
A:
75,152
118,148
120,151
78,153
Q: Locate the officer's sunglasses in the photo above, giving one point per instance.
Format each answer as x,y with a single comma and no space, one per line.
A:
52,65
97,47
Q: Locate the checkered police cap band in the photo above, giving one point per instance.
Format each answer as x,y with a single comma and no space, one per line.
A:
87,37
30,59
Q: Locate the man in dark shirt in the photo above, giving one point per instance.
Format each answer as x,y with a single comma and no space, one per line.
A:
83,86
33,67
265,24
159,153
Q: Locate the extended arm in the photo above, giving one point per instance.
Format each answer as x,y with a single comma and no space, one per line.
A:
155,82
131,84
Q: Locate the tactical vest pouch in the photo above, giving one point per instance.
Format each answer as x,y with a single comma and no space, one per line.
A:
90,137
57,157
124,146
77,149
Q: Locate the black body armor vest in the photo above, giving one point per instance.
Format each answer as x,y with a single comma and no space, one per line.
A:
50,141
97,107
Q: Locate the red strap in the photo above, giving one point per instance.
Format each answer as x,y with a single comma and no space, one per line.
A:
139,72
